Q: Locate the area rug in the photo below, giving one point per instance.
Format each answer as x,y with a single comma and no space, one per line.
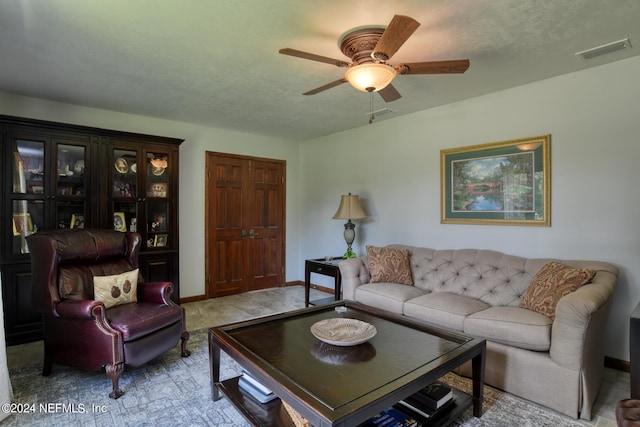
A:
174,391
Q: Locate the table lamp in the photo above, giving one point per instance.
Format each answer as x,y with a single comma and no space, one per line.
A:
349,209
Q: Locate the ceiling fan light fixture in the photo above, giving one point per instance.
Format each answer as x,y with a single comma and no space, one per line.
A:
370,75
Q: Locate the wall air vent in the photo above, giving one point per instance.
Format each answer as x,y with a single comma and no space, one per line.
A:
604,49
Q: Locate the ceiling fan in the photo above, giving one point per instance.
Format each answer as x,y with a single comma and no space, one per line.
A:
370,48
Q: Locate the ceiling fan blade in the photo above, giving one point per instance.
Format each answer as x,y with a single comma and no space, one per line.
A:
389,93
314,57
325,87
434,67
399,30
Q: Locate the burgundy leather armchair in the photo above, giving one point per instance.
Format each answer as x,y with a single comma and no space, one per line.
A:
81,332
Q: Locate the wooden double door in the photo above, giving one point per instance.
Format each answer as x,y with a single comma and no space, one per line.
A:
245,217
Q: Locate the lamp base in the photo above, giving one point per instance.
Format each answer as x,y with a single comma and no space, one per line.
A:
349,254
349,237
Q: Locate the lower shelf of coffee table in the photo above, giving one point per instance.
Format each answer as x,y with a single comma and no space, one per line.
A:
447,414
270,414
273,414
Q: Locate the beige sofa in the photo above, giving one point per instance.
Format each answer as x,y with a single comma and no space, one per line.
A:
556,363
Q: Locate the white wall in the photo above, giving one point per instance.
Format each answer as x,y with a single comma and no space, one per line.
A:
393,165
198,140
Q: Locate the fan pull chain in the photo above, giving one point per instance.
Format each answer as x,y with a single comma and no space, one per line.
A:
371,117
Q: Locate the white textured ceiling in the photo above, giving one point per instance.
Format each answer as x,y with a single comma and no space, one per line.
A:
216,62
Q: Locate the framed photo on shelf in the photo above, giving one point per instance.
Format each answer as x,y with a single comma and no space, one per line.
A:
119,221
65,190
36,189
157,189
501,183
22,224
159,222
77,221
160,240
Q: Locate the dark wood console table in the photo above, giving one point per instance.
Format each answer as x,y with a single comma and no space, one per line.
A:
326,268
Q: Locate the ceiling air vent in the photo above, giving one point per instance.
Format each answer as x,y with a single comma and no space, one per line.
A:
381,112
604,49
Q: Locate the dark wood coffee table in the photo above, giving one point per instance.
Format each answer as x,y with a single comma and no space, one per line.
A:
341,386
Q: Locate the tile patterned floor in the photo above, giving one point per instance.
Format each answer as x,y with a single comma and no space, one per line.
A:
218,311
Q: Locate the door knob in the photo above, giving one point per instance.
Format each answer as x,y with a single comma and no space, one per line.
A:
243,233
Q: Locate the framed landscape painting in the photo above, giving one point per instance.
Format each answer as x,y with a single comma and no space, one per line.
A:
502,183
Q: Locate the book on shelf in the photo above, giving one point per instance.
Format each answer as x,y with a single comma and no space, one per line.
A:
434,395
423,413
248,388
255,389
391,417
257,384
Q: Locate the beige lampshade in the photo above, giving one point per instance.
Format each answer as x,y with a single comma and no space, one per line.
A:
350,208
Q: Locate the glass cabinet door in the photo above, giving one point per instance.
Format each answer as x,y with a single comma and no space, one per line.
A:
157,200
124,191
28,192
125,174
140,193
28,167
71,186
49,187
27,218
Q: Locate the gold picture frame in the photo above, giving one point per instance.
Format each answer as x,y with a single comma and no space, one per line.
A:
500,183
22,224
160,240
119,221
77,221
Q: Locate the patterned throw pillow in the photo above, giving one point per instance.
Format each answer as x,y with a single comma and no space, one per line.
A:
551,283
117,289
389,265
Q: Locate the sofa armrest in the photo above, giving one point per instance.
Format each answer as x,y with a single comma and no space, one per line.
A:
89,315
161,293
354,272
577,334
156,292
76,309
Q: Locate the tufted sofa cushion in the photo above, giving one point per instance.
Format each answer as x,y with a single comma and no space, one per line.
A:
491,277
445,309
388,296
513,326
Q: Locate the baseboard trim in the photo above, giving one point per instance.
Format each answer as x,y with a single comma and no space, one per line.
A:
203,297
322,289
294,283
311,286
193,299
617,364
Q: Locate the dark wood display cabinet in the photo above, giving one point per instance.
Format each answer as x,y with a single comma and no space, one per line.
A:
57,176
